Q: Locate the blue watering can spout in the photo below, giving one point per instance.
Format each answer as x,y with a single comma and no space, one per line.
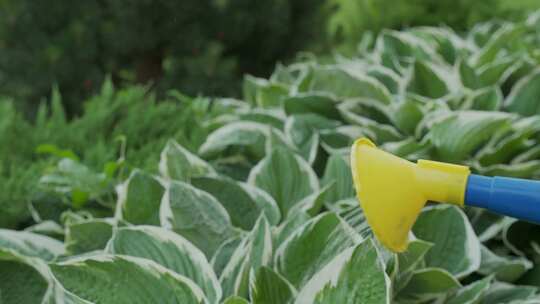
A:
515,197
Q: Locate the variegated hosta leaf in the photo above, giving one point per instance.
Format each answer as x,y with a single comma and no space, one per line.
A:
139,197
508,293
178,163
428,284
88,235
505,269
169,250
524,96
429,80
303,132
520,237
407,115
310,247
455,245
321,104
504,148
263,93
268,286
251,136
47,228
291,223
409,148
381,132
486,224
274,118
24,279
356,275
314,203
409,261
459,134
135,280
338,171
253,252
344,83
472,293
224,253
404,44
243,202
31,244
501,37
235,300
196,215
285,176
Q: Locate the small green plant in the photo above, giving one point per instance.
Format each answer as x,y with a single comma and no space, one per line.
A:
253,202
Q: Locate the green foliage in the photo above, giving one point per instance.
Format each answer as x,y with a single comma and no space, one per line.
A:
198,47
251,202
348,20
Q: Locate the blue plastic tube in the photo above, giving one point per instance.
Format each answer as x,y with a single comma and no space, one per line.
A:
515,197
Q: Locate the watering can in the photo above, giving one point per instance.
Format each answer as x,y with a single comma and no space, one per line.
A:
392,191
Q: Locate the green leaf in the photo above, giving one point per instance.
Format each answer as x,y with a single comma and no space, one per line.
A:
523,98
504,268
487,99
251,136
264,116
303,132
30,244
506,293
243,202
356,275
26,279
196,215
223,254
408,148
458,135
409,261
311,246
54,150
521,170
312,204
47,228
486,224
139,198
169,250
137,281
320,104
519,237
268,286
407,115
469,77
456,247
263,93
404,44
177,163
88,235
235,300
338,171
471,293
428,81
503,36
428,284
286,177
382,132
291,223
254,251
343,83
498,71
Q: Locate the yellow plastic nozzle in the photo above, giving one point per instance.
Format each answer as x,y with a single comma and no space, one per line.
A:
392,191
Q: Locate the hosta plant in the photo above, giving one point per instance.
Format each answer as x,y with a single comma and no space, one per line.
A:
264,211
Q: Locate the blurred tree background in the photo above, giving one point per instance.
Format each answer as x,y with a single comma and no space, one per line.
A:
197,47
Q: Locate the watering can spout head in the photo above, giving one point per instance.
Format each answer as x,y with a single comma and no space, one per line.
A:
392,191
